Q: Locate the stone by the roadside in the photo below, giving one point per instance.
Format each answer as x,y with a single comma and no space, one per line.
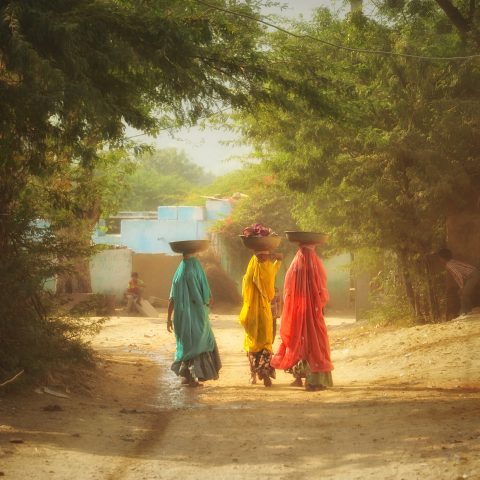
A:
17,440
55,393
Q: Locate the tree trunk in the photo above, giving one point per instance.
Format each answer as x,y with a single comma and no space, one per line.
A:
78,281
407,281
464,25
431,291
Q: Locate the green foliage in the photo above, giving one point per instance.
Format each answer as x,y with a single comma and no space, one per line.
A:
237,181
267,203
257,197
32,336
384,163
461,15
162,177
83,68
387,307
390,310
150,189
224,186
171,162
72,75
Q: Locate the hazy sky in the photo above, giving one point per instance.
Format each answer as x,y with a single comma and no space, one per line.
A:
206,147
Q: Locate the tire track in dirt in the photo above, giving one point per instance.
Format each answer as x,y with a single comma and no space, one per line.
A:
154,435
169,397
381,427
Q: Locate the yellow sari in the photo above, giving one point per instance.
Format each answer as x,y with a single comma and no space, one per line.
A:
258,289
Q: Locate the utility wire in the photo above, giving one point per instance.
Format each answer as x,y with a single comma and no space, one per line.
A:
330,44
315,39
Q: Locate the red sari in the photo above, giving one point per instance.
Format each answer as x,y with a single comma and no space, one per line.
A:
303,330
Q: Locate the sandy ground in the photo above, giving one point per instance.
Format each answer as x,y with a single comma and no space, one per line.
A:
406,405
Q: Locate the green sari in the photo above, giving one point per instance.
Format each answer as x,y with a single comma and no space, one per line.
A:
196,355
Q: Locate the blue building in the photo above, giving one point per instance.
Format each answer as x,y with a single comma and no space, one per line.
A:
151,232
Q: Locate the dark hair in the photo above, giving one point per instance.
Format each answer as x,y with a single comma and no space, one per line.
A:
445,253
134,274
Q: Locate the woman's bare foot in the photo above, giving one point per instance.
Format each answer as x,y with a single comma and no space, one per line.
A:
267,382
253,379
194,383
297,382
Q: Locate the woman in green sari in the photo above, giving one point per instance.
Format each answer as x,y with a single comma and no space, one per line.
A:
196,357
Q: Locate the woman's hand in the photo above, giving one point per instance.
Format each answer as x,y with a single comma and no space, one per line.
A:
169,315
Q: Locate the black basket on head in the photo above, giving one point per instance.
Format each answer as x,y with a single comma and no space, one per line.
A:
307,238
189,246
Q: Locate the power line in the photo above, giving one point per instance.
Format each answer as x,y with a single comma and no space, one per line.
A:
330,44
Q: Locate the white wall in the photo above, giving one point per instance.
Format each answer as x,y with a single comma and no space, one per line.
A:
110,271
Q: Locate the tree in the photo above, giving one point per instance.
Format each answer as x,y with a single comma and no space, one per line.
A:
80,195
169,161
162,177
257,197
381,167
464,15
72,75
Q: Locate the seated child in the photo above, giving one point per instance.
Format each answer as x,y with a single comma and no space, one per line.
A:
134,290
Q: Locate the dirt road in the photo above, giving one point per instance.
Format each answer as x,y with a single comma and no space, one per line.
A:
406,405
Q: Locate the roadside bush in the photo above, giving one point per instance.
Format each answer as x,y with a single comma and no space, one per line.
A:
33,336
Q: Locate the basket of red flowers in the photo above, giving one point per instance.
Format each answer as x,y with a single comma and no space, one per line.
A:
260,238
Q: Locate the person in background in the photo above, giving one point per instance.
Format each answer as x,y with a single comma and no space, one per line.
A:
258,291
466,276
196,357
134,291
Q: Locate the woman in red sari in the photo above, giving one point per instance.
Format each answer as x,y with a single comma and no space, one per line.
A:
305,349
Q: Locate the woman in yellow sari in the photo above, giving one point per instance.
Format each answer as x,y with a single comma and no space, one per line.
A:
258,289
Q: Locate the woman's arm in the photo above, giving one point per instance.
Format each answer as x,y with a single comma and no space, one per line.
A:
169,315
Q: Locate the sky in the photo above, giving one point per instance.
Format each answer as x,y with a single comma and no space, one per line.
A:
208,147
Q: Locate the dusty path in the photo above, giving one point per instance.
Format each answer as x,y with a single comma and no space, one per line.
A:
406,405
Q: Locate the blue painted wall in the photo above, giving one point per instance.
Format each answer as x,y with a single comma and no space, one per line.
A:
173,223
